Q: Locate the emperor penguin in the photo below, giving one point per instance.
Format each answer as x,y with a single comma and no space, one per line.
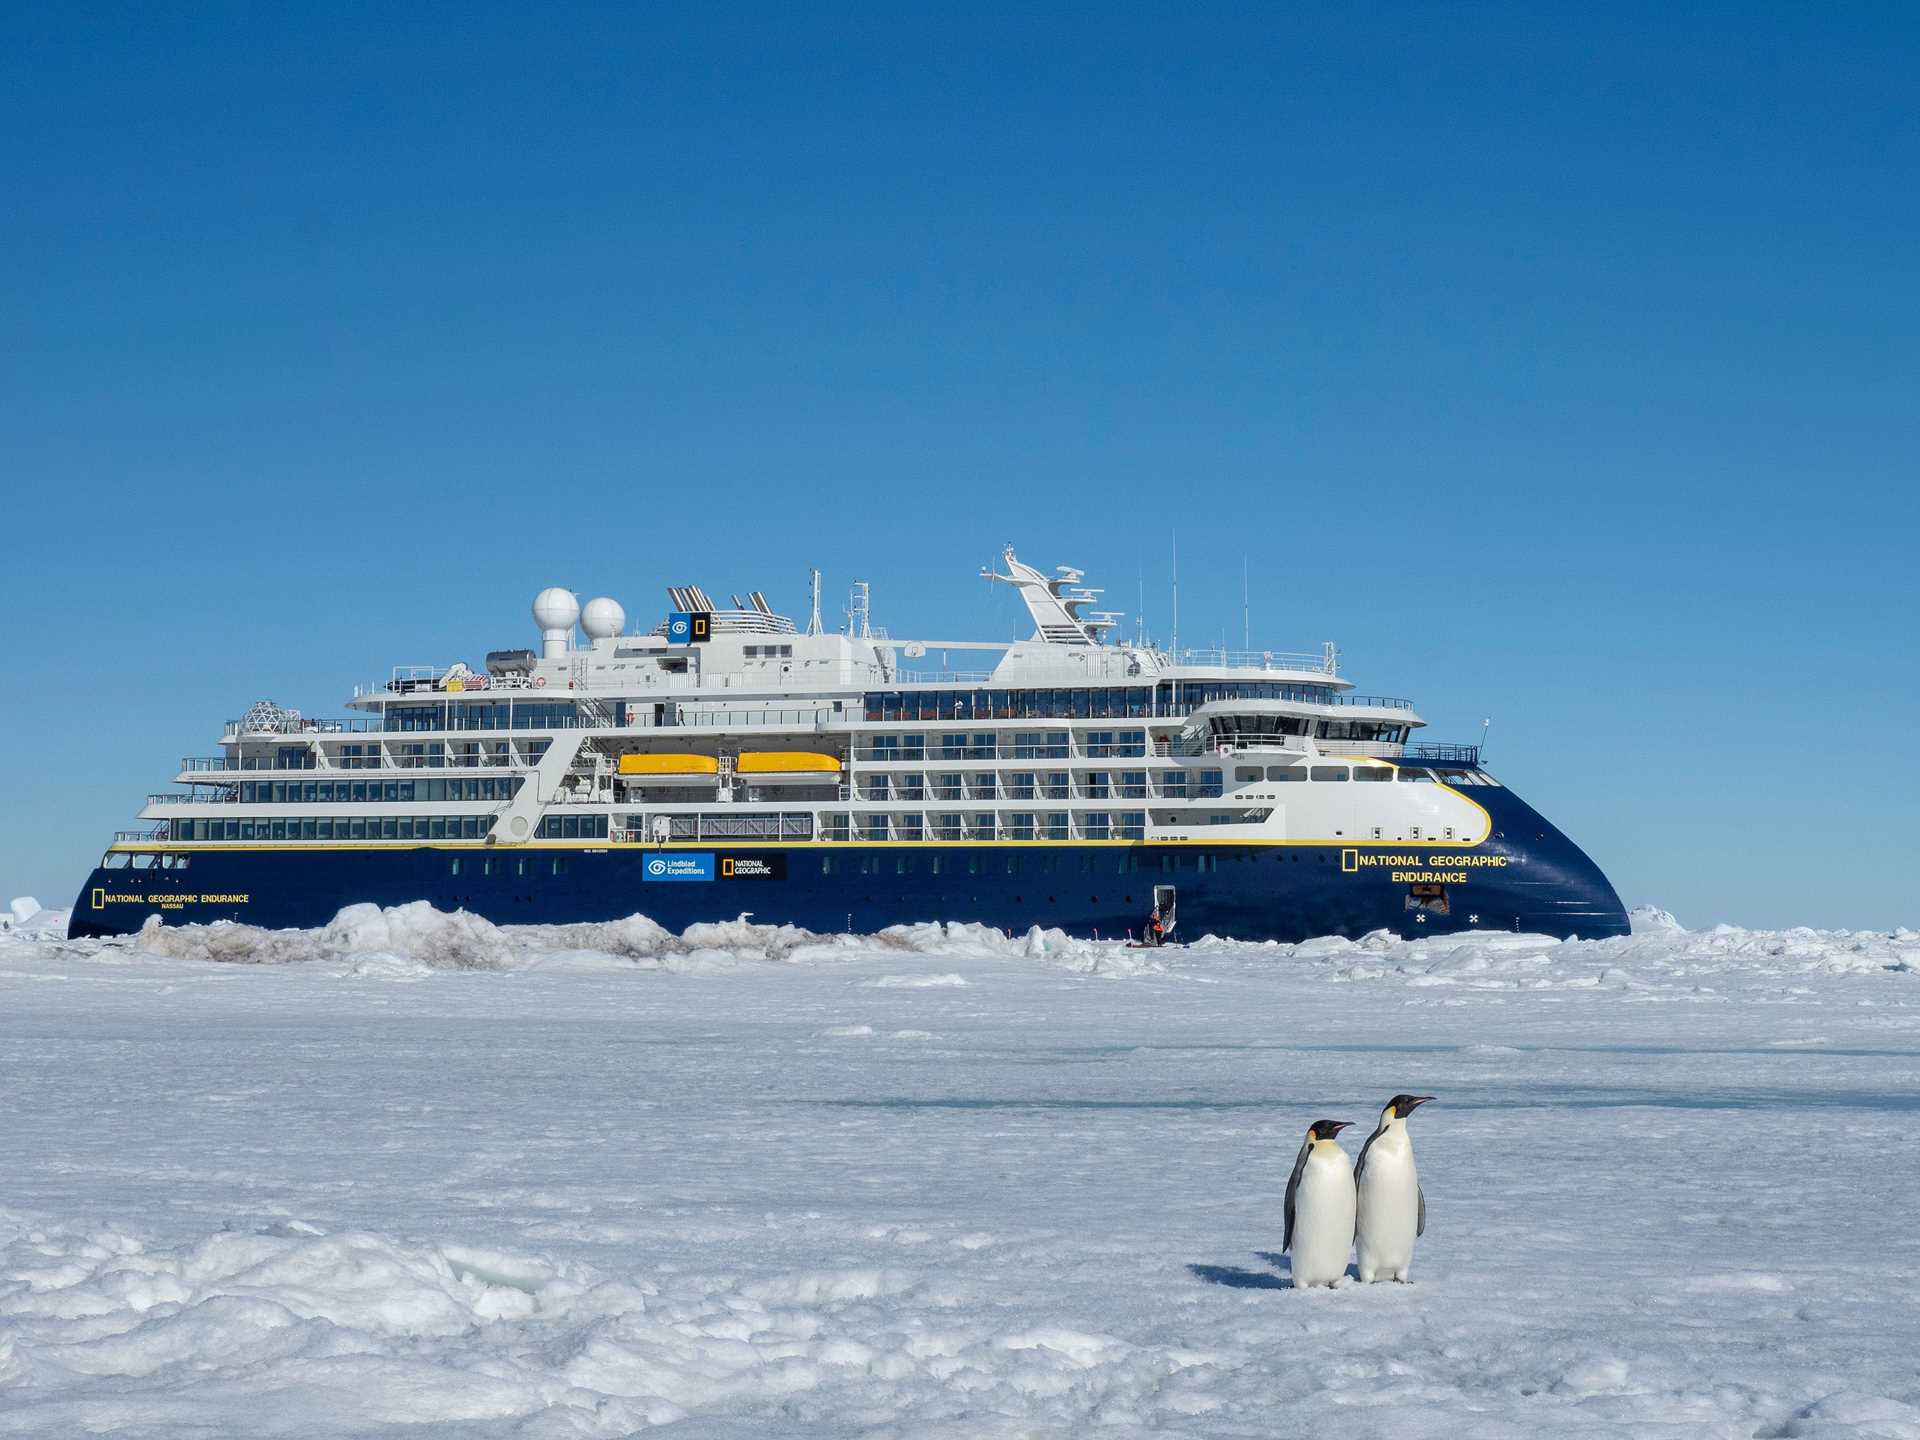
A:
1393,1207
1320,1208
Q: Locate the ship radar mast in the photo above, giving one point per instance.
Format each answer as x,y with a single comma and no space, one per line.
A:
1056,603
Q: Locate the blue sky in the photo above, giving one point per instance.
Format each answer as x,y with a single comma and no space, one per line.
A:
1559,365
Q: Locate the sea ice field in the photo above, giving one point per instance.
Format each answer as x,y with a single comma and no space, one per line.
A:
416,1175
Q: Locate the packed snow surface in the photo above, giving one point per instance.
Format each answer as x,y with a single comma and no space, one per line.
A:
416,1174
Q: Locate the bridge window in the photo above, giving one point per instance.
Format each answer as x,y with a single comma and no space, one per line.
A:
1329,772
1372,772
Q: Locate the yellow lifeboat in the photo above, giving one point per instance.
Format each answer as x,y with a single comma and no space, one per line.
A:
786,762
675,765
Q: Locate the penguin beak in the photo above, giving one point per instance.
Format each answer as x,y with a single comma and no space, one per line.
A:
1337,1126
1414,1102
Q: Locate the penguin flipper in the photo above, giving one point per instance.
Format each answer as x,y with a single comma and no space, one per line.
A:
1420,1227
1293,1186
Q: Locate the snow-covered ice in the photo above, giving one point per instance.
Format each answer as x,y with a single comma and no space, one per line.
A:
417,1174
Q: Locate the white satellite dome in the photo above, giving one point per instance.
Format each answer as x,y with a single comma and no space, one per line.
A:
556,609
603,618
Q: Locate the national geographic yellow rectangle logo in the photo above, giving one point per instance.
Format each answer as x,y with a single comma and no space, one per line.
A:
99,898
1349,860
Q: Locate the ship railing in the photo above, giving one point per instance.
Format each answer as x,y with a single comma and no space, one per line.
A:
1005,752
1376,749
143,837
208,763
1376,702
191,797
301,727
472,683
905,676
809,717
762,825
1238,742
1441,753
1326,662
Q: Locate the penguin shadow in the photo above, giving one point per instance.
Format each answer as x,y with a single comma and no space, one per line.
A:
1238,1279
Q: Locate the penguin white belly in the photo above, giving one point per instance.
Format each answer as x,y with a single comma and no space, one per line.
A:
1323,1221
1389,1195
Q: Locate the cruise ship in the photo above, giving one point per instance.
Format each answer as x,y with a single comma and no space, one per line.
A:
728,762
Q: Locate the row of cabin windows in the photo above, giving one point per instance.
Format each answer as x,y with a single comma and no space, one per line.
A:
1098,703
1014,862
573,827
1022,745
1410,774
912,825
1130,825
480,715
767,652
1031,785
355,792
340,827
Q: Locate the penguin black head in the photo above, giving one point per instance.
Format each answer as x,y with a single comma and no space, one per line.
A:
1401,1106
1326,1129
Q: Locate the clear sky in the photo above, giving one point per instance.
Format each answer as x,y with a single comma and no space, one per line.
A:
1559,363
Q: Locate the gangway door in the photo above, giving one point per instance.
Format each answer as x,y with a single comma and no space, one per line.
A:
1163,902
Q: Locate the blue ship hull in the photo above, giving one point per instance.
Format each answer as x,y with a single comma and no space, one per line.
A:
1526,876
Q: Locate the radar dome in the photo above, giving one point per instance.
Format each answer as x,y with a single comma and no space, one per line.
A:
556,609
603,618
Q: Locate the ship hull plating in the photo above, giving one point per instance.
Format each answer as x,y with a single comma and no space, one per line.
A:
1526,876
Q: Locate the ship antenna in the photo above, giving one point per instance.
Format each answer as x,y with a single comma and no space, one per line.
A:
813,625
1485,725
1246,614
1176,595
1140,620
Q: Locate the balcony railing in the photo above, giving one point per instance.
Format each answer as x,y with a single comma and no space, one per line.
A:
1326,662
300,726
1441,753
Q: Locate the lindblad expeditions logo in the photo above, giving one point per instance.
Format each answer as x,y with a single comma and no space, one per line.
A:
678,867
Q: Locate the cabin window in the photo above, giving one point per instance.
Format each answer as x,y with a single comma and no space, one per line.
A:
1329,772
1285,772
1372,772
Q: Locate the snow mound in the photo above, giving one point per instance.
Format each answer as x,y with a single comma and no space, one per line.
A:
407,940
1651,920
416,932
1053,947
26,917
